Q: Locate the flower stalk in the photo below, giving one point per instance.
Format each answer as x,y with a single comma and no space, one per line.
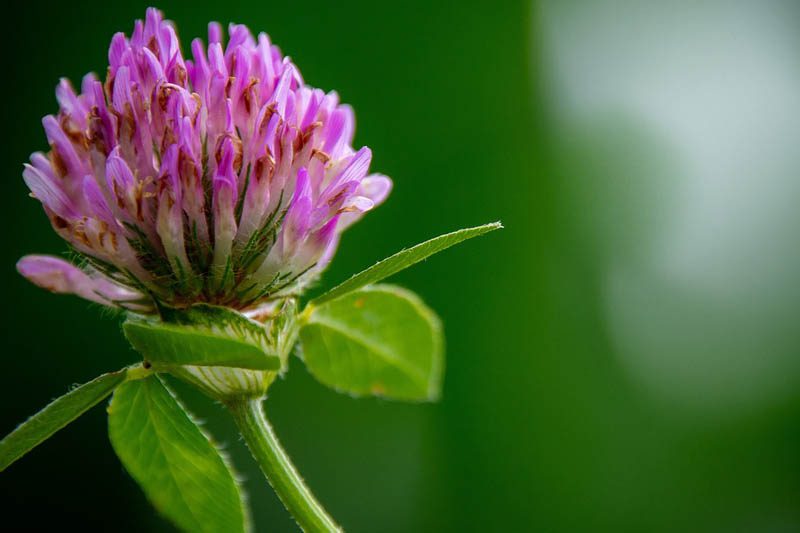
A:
278,468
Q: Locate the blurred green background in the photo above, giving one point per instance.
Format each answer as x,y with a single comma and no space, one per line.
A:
624,356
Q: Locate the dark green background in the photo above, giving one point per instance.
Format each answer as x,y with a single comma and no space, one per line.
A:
541,427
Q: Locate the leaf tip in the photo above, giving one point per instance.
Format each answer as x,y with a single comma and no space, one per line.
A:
491,226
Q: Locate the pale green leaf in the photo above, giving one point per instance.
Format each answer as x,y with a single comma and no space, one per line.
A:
402,260
173,460
203,335
381,340
55,416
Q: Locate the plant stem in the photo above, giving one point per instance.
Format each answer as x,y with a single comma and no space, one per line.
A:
278,468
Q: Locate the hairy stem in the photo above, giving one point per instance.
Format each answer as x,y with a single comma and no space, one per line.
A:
278,468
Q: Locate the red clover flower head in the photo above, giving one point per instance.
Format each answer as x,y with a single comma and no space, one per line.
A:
222,179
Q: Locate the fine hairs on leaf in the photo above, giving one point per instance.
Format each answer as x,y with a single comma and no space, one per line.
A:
402,260
58,414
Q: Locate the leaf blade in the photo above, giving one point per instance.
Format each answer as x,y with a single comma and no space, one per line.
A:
402,260
379,341
163,344
202,336
56,415
180,470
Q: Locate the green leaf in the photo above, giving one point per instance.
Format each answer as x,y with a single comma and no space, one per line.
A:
402,260
55,416
203,335
173,460
381,340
